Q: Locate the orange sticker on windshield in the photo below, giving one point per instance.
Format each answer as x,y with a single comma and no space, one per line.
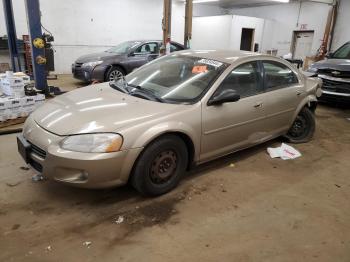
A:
199,69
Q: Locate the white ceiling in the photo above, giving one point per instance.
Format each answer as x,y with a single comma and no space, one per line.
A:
247,3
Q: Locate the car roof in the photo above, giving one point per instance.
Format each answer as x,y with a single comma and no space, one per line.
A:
225,56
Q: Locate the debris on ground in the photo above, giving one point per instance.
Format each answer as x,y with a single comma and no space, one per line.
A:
24,168
37,178
119,220
285,152
13,184
232,165
337,185
87,244
49,248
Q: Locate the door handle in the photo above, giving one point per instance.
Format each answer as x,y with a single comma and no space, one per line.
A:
258,104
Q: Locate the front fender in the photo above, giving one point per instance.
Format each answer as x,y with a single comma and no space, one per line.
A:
160,129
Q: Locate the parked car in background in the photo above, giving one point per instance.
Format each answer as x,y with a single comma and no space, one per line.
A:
118,61
181,109
335,74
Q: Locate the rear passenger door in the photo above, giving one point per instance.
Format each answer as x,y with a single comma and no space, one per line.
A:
235,125
284,93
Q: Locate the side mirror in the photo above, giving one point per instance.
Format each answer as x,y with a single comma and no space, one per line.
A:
226,96
329,55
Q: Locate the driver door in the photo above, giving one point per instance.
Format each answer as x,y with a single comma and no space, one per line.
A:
143,54
235,125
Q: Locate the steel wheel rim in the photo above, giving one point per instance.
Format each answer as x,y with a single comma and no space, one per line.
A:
163,167
115,75
299,127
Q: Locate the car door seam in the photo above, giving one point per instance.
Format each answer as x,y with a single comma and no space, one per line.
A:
280,113
233,126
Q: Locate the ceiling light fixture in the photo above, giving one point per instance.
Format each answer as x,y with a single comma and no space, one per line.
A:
282,1
204,1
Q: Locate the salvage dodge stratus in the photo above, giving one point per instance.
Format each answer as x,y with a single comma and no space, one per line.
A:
182,109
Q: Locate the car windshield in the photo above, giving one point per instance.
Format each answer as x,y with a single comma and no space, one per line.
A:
123,47
176,78
343,52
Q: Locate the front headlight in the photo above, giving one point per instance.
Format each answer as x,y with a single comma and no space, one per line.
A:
92,64
93,143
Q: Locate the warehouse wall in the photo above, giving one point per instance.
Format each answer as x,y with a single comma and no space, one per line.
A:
82,27
313,15
342,28
239,22
225,31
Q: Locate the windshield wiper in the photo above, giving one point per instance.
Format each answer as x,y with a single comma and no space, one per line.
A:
122,88
146,91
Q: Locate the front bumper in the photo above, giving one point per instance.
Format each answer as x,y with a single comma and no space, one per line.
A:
89,74
88,170
335,90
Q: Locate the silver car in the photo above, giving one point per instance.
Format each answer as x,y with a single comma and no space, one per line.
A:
182,109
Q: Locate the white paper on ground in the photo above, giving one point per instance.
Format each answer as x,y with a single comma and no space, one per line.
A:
285,152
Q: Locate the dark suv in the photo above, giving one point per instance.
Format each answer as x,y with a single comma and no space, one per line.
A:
118,61
335,74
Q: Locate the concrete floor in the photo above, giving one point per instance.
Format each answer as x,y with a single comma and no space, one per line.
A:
258,209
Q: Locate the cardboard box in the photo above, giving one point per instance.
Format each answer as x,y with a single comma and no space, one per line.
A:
13,86
14,108
23,76
28,100
39,100
4,115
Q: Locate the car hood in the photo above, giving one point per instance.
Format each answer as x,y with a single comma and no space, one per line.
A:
97,108
97,57
336,64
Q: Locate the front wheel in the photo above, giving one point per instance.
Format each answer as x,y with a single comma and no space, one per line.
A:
114,73
160,166
303,127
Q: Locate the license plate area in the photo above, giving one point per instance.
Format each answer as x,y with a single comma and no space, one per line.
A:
24,148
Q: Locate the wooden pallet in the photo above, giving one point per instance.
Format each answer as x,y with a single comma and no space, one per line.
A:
12,122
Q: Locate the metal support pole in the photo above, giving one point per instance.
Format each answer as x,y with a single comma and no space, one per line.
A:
38,44
12,36
188,24
167,25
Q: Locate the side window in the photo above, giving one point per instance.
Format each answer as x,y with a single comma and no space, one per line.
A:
149,48
244,79
174,48
278,75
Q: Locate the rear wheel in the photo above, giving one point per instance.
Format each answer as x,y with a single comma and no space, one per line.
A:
303,127
115,73
160,166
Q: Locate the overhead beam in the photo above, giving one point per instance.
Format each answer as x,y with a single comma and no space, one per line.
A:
11,35
188,24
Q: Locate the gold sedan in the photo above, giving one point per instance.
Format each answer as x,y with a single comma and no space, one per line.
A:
182,109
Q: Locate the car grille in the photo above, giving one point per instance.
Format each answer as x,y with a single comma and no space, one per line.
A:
37,151
78,65
330,72
335,86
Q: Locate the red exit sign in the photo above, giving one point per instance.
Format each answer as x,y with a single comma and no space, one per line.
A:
303,27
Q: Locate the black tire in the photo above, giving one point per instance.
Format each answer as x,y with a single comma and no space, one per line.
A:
160,166
303,127
114,70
